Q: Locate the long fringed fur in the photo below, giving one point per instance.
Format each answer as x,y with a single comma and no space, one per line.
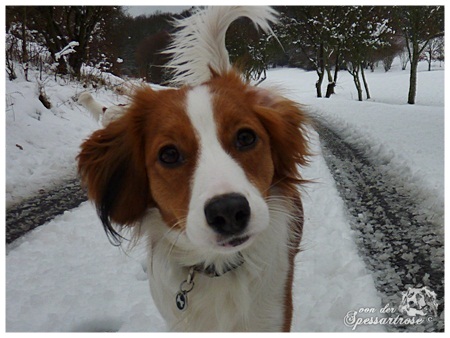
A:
199,42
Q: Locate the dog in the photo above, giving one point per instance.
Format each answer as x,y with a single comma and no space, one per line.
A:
209,174
99,112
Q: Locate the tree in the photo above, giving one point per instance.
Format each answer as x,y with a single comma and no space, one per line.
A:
134,35
419,25
11,47
62,25
434,51
149,56
367,30
106,48
250,49
388,53
24,42
20,31
334,35
315,31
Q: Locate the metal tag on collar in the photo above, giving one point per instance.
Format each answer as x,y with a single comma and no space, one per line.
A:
186,286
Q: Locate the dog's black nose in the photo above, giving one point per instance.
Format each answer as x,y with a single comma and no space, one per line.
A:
228,214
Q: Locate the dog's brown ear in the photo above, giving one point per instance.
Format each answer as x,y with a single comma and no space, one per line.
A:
112,167
286,124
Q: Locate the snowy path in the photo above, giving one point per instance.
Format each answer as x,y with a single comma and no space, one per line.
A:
400,240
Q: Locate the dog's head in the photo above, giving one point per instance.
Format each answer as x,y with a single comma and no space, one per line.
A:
206,157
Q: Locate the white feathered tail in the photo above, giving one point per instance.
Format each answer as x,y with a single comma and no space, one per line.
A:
199,42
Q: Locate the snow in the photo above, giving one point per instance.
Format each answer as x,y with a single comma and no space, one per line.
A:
405,139
41,144
65,276
69,49
81,283
330,278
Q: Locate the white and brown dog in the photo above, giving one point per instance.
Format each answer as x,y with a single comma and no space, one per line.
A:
208,173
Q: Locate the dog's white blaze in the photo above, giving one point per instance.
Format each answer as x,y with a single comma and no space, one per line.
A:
217,173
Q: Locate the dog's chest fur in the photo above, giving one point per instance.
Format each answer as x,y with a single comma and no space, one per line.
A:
248,298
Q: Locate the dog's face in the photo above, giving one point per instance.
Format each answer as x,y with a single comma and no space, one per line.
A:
206,157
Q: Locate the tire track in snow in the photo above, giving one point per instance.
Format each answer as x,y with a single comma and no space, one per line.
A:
39,209
400,241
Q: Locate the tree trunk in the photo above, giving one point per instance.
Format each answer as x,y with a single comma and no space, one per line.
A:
330,89
61,68
358,86
320,70
24,43
412,82
75,62
331,84
430,55
336,64
319,84
413,76
355,73
366,86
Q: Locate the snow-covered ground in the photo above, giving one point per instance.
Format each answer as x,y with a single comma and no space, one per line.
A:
41,143
386,127
65,276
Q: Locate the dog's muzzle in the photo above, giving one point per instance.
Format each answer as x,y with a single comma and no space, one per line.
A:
228,215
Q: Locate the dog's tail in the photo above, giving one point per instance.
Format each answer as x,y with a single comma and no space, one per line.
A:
95,108
199,42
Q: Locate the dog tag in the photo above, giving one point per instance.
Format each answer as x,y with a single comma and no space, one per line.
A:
181,300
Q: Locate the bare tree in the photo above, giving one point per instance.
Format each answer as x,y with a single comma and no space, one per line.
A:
404,58
420,25
60,26
434,51
250,49
314,30
24,42
366,30
11,48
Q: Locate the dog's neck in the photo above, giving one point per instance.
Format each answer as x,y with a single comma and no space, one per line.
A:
212,271
186,286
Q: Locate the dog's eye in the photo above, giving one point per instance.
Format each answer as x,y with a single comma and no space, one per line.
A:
169,156
246,139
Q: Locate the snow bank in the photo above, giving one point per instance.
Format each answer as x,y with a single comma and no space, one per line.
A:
41,143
